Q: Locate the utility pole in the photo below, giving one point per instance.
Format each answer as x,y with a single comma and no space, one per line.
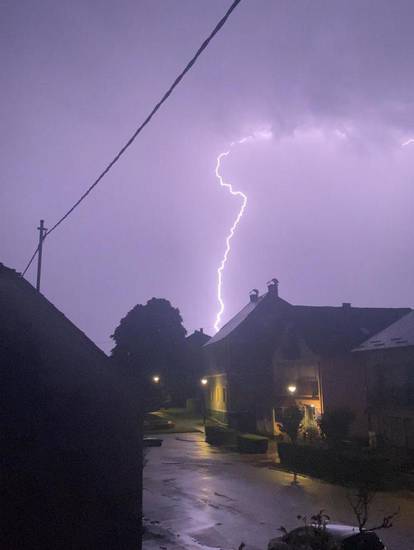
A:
42,234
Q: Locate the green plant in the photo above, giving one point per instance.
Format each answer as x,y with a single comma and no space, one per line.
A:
312,433
360,502
314,535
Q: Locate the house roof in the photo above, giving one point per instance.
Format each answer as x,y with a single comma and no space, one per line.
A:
235,321
329,330
198,338
324,329
399,334
22,305
62,386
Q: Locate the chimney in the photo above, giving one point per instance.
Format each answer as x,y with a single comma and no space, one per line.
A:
346,306
254,295
273,287
201,331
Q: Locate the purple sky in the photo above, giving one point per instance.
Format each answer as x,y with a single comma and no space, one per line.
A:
330,210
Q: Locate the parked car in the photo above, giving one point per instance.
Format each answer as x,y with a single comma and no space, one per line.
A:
153,422
334,536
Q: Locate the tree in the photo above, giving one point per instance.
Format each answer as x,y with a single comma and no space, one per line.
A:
290,422
335,425
360,502
150,341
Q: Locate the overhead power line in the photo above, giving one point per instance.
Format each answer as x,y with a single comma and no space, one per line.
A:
164,98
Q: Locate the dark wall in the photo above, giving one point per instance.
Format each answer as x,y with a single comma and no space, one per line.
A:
343,384
390,384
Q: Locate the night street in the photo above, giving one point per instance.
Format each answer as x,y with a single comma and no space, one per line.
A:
197,496
206,275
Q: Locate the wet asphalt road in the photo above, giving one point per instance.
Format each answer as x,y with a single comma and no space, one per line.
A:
197,496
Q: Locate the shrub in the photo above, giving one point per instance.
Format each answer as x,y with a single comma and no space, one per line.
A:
335,465
217,435
336,424
290,422
312,433
251,443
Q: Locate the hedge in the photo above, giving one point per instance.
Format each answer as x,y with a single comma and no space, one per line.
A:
345,467
251,443
217,435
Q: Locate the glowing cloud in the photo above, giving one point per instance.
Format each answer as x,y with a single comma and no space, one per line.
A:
259,135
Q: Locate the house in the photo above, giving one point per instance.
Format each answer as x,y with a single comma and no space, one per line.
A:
70,437
273,354
238,361
387,359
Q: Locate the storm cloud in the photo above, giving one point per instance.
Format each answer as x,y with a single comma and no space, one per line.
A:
330,196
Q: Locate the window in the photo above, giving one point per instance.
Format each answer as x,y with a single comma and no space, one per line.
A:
224,395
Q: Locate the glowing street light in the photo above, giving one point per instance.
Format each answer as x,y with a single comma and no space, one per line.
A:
156,379
204,381
291,389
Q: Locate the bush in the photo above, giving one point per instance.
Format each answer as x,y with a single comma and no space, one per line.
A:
334,465
251,443
336,424
217,435
290,422
312,433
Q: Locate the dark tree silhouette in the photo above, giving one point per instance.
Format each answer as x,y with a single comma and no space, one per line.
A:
150,341
290,422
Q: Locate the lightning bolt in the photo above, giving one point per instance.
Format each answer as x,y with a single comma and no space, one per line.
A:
264,134
408,142
229,236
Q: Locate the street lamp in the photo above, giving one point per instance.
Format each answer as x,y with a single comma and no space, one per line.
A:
156,379
204,383
291,389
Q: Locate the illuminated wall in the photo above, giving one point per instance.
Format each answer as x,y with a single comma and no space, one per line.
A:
217,397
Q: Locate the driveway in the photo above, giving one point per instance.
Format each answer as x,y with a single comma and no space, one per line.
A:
198,496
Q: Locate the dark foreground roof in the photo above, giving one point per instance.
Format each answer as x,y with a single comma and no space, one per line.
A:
69,435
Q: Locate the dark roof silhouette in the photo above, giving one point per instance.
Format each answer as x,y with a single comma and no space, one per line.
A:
198,338
331,330
398,335
21,303
69,437
245,313
326,330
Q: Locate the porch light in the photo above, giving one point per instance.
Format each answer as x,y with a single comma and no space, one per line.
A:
156,379
291,389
